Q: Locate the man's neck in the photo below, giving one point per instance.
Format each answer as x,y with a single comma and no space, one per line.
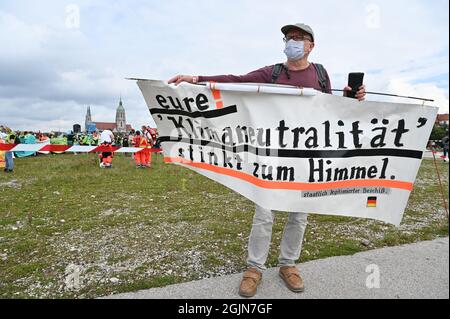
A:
298,65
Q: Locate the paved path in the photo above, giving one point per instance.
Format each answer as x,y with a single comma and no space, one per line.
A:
418,270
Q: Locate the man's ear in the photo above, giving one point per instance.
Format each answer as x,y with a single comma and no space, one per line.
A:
311,46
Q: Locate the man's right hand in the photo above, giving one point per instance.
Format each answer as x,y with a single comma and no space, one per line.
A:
181,78
360,95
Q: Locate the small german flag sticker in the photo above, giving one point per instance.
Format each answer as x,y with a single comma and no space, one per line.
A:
371,202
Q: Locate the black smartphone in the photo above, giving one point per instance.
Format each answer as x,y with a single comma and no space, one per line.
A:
355,80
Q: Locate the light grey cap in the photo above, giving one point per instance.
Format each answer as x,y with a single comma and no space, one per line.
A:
300,26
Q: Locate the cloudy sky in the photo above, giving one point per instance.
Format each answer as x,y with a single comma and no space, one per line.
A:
57,57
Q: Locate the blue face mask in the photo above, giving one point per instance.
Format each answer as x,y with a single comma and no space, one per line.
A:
295,50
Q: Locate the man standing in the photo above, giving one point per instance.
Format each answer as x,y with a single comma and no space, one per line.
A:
9,156
147,135
94,140
142,157
296,71
445,146
2,153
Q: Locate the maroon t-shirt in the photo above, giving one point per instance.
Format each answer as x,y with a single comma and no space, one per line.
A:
306,78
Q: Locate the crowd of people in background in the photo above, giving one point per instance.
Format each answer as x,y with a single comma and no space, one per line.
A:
146,138
70,138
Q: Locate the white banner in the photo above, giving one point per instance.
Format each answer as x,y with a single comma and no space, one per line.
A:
295,152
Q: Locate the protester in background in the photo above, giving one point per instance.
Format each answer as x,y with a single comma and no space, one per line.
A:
42,137
2,153
9,156
17,138
148,135
85,140
70,138
106,139
445,146
119,140
296,71
141,158
26,138
95,139
135,143
125,142
157,144
130,137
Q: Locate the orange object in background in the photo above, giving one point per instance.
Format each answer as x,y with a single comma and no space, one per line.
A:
2,159
107,160
2,156
142,158
106,157
145,156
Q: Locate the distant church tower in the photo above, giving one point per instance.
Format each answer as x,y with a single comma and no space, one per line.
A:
121,122
88,118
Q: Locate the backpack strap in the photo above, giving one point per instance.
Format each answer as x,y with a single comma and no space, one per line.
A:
322,74
277,69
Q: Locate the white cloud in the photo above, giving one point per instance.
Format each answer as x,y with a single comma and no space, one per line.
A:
25,39
426,90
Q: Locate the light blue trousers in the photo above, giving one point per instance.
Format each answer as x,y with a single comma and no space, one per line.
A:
9,161
261,235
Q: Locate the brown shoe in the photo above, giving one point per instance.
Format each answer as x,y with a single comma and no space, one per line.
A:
291,276
249,283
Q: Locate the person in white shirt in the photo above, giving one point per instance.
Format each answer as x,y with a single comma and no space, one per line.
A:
106,139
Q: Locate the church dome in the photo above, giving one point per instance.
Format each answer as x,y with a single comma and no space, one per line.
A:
120,107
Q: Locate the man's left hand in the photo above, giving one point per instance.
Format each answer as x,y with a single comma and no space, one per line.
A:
360,95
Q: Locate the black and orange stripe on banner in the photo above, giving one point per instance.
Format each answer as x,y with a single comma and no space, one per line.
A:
292,185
